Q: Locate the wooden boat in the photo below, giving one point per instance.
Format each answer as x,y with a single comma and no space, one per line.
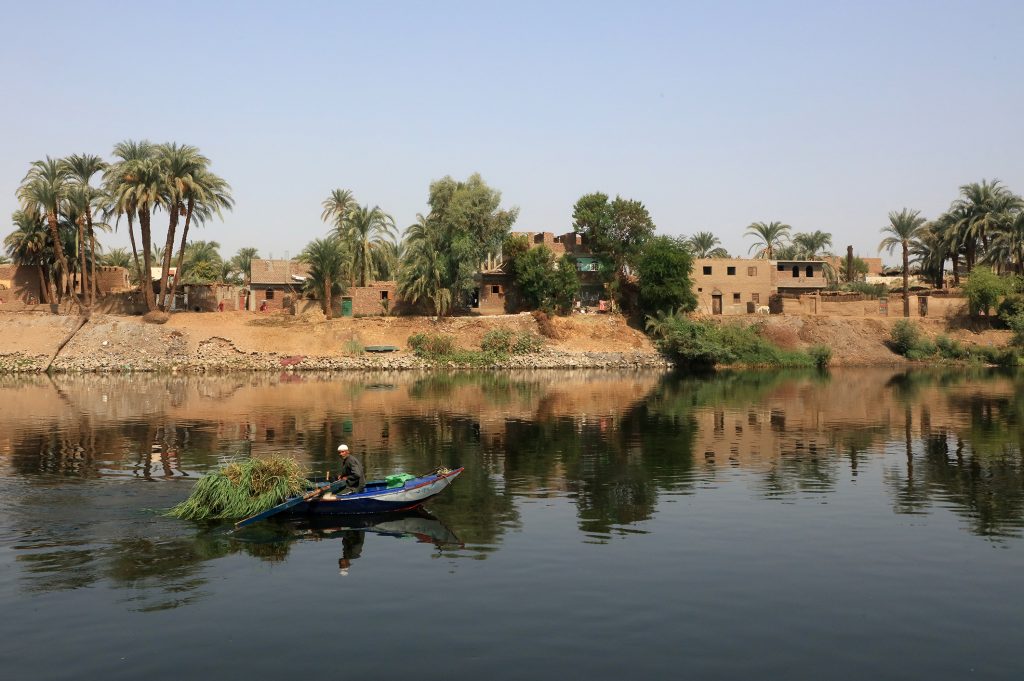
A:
379,496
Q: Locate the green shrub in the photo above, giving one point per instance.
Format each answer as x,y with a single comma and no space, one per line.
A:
869,290
821,354
950,349
984,288
526,343
497,340
1016,324
904,337
1011,306
704,343
431,345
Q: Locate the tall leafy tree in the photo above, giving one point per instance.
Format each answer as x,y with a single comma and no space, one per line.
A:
768,237
327,260
367,232
663,270
178,163
43,191
443,250
812,245
903,228
614,230
706,245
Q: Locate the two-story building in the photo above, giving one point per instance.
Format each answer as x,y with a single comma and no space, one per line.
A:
732,286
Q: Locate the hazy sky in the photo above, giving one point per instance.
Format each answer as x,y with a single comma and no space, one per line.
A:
714,114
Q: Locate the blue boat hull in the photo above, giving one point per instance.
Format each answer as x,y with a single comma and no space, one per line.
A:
378,498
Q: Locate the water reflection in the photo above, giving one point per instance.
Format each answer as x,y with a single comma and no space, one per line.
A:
615,445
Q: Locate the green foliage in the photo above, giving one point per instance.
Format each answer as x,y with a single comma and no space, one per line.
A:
514,246
869,290
904,337
1016,324
504,341
821,355
614,230
663,268
533,275
1011,306
705,344
431,345
241,489
984,288
327,260
444,249
854,275
566,284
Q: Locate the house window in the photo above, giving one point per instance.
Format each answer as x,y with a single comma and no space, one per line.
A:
496,289
700,290
270,294
735,297
385,295
707,269
751,271
796,271
782,268
755,297
810,271
731,271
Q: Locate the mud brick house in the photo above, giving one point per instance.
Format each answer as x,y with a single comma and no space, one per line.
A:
278,283
496,292
732,286
20,284
213,298
112,280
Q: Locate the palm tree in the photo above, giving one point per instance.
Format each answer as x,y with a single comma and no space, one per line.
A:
929,251
326,260
27,246
981,208
205,196
812,245
903,228
337,206
178,165
366,230
117,257
706,245
424,266
202,262
134,187
769,235
1007,245
43,191
243,262
5,260
81,168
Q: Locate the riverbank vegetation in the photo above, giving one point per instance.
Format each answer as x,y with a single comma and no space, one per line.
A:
242,489
496,346
906,339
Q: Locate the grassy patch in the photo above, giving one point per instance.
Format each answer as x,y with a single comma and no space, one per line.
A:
906,339
707,344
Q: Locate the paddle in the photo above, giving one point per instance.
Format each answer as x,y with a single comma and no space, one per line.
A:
294,501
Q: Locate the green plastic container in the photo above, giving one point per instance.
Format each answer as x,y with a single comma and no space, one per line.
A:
398,480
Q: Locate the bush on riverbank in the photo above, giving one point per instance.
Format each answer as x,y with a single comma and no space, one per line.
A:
706,344
906,339
496,346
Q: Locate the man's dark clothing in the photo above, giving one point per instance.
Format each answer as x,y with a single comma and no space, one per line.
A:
352,471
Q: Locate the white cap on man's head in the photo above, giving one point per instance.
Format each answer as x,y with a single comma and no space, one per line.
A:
342,448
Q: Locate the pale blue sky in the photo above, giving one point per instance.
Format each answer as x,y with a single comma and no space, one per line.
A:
715,114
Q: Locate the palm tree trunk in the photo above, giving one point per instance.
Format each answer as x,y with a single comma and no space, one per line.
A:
43,291
94,291
956,269
327,302
58,249
145,232
906,281
181,251
172,227
135,250
83,279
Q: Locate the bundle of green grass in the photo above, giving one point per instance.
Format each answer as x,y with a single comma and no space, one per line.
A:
241,489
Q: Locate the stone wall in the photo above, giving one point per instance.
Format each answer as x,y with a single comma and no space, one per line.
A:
112,280
19,284
857,306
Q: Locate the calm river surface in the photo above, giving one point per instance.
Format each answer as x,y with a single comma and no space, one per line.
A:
861,525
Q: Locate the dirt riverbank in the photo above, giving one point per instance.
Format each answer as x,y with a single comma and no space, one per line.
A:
242,341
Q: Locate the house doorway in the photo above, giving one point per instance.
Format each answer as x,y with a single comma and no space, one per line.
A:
716,303
346,307
922,306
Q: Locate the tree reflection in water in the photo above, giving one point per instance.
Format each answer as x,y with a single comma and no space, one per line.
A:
614,445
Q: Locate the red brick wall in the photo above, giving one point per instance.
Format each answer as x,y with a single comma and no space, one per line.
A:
275,304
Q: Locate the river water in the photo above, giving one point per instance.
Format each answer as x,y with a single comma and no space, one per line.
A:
861,524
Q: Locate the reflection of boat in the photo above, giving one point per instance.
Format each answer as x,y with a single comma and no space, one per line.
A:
418,523
378,497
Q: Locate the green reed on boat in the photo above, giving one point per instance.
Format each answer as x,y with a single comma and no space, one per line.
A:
242,489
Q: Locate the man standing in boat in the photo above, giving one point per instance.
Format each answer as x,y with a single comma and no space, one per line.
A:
351,472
